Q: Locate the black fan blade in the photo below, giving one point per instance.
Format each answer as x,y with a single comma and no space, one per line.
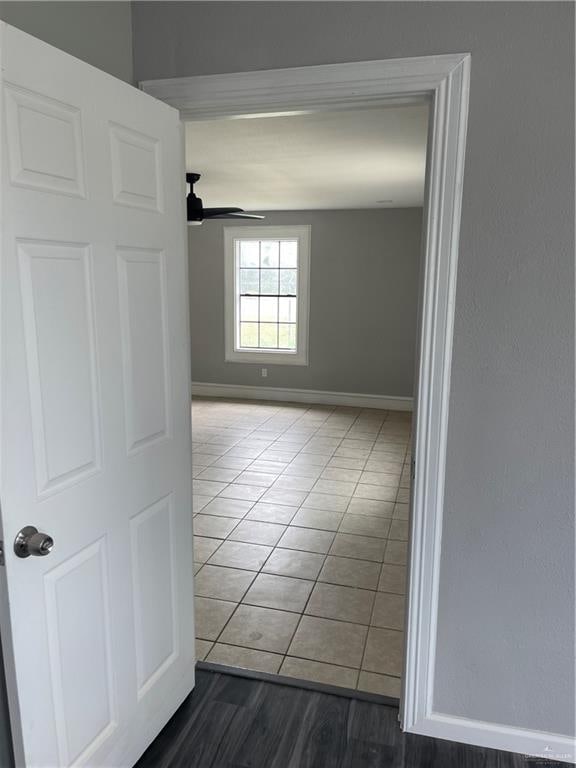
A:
211,212
229,213
239,216
196,213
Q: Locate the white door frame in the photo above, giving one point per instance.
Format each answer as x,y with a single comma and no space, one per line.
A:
444,81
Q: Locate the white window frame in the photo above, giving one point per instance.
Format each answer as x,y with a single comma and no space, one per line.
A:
233,354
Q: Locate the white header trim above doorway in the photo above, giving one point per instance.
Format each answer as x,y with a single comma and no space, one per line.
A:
444,81
326,87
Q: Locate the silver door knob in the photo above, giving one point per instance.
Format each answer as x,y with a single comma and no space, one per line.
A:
29,541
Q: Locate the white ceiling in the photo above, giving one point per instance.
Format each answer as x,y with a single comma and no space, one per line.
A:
323,160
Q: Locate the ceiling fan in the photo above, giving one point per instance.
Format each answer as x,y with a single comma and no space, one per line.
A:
197,213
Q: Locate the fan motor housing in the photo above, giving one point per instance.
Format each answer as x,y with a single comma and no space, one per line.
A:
194,207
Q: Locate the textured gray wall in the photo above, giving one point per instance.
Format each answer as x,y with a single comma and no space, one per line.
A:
506,614
97,32
363,303
101,34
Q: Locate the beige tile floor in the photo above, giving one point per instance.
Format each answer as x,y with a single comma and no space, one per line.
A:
301,527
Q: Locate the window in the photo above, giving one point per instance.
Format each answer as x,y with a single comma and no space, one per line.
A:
267,274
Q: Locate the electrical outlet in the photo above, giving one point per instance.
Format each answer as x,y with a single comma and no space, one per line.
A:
264,372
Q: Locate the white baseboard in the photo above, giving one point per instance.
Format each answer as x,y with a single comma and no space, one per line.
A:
537,744
312,396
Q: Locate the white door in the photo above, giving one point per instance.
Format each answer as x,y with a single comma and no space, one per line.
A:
95,422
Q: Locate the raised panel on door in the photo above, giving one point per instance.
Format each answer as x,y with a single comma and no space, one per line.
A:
136,170
45,138
57,302
142,289
78,621
154,589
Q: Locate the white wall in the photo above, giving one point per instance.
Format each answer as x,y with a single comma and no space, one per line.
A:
506,619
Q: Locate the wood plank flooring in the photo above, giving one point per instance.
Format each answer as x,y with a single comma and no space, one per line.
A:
236,722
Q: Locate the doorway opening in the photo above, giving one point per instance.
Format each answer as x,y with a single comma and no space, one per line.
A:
301,506
443,83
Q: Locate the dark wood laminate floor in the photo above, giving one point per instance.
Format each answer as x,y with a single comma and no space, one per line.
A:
237,722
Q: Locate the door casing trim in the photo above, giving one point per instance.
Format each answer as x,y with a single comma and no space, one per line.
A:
444,82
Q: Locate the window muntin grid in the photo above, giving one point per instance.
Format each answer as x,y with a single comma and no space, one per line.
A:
266,294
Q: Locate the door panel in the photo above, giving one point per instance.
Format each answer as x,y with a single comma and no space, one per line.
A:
155,608
44,142
95,410
56,286
136,169
142,285
78,611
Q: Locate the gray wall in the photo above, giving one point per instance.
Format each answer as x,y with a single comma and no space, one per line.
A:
506,614
101,34
97,32
363,307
